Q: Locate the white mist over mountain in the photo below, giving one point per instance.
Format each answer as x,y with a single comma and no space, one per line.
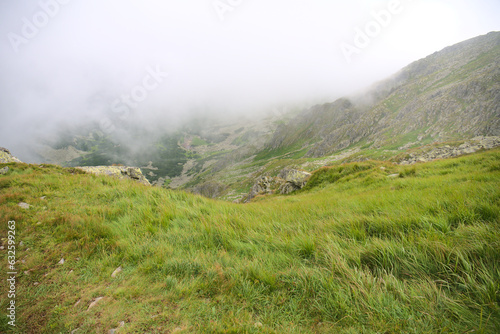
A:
73,61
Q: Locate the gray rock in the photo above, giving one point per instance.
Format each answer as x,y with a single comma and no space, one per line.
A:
470,150
116,272
3,149
294,180
296,177
264,185
6,156
115,330
287,181
287,188
4,170
24,205
94,303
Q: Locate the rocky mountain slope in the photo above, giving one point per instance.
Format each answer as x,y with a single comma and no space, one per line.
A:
450,96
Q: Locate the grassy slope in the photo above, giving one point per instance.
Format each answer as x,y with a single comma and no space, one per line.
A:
358,252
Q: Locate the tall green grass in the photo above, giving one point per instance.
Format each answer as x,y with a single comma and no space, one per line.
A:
356,252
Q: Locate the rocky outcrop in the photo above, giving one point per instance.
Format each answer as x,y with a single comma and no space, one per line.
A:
7,157
449,151
121,172
264,185
293,180
287,181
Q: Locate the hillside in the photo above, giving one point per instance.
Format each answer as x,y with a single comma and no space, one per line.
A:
450,96
367,247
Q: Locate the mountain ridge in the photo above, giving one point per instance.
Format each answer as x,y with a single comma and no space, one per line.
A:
420,100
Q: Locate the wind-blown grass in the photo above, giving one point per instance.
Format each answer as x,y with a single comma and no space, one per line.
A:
356,252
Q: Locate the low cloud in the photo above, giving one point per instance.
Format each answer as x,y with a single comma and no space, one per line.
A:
70,62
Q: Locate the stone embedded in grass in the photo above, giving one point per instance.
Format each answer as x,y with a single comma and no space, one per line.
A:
78,302
94,303
61,261
4,170
116,272
24,205
114,330
393,175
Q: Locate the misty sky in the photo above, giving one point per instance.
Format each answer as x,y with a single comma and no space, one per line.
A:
80,60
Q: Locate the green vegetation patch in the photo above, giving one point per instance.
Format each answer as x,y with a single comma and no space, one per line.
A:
358,251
